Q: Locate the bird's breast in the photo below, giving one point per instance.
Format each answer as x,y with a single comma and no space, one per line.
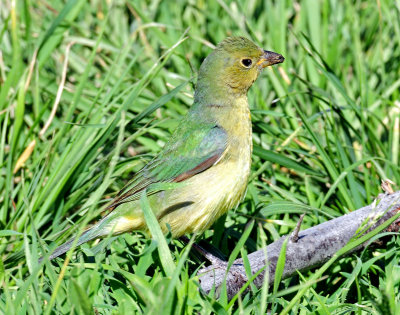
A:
208,195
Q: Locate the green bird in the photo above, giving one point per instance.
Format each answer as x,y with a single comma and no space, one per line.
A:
209,153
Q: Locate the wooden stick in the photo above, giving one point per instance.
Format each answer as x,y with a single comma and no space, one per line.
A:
314,246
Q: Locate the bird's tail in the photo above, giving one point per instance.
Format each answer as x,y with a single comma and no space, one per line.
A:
112,224
86,236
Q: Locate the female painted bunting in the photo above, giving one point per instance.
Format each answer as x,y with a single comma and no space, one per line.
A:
209,152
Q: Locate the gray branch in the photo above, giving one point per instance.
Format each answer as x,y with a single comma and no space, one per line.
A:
314,247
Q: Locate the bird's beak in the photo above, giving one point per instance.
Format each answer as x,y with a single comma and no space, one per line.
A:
270,58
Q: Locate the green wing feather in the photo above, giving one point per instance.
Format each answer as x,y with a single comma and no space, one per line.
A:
195,147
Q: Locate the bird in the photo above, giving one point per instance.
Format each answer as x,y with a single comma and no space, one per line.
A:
207,159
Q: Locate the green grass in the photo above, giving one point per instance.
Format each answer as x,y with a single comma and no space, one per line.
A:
326,131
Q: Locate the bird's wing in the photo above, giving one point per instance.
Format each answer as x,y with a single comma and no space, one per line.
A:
193,148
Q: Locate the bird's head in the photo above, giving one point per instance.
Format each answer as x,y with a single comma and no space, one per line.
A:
234,65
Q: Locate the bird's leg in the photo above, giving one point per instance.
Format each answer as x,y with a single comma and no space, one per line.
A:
216,262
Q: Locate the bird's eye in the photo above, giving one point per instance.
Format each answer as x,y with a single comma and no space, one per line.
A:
246,62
